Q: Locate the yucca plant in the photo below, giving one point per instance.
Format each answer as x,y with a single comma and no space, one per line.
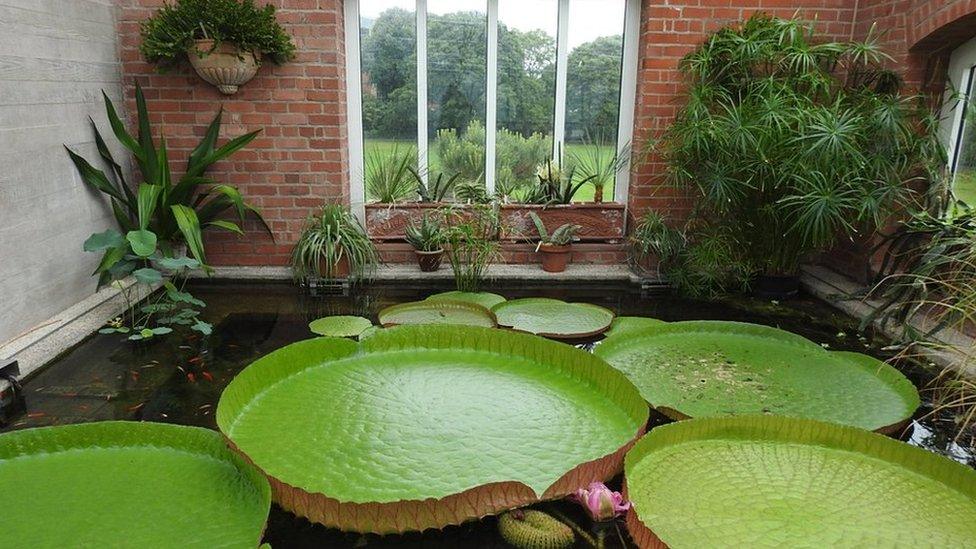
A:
790,143
160,212
390,175
556,185
597,163
329,239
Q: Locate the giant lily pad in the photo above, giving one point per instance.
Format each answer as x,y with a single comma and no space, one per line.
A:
420,427
128,484
485,299
713,368
623,324
441,311
766,481
340,326
553,318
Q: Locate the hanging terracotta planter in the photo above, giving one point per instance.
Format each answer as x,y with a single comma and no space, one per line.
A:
226,66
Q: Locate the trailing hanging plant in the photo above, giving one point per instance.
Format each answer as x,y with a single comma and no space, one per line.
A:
170,33
329,241
790,143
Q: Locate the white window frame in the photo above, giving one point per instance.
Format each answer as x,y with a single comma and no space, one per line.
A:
960,76
354,104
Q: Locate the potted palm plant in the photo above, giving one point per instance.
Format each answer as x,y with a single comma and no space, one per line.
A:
224,40
556,247
333,245
427,239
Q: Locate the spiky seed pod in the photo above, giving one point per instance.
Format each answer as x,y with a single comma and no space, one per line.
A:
529,529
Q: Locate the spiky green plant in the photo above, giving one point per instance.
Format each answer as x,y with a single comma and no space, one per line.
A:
599,167
390,175
329,237
428,236
436,188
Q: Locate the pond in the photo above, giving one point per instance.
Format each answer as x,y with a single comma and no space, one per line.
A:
179,378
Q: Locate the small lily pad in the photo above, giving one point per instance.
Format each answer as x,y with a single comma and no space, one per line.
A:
553,318
128,484
340,326
440,311
767,481
485,299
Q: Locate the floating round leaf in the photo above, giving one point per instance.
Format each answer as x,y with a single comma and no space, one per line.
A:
767,481
623,324
553,318
441,311
128,484
713,368
420,427
340,326
485,299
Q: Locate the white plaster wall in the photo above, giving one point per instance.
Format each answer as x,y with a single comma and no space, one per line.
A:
55,58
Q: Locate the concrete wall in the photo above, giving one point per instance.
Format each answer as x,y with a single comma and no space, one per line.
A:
55,58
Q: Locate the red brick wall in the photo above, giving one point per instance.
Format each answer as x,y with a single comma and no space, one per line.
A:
300,159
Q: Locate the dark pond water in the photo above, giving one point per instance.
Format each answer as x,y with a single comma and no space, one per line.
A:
179,378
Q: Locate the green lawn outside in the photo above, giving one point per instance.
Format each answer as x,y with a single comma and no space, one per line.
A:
585,194
965,186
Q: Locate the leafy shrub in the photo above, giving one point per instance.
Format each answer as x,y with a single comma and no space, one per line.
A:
789,143
167,35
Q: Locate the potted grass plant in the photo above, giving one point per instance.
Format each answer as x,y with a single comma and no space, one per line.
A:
224,40
333,245
556,247
427,239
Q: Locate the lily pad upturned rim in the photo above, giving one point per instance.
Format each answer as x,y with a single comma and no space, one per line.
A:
580,333
340,326
485,299
488,317
102,435
455,508
793,431
884,372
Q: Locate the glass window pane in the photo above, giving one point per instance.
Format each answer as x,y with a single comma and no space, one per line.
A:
389,62
964,181
526,90
457,48
593,91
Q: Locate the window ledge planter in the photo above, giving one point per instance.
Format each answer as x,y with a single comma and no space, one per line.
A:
226,67
599,222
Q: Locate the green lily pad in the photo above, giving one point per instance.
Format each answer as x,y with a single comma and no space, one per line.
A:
553,318
340,326
128,484
766,481
714,368
623,324
485,299
440,311
420,427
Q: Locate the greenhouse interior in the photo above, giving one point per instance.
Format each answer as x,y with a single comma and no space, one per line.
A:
528,274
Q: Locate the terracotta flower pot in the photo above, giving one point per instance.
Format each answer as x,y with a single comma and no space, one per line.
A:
341,269
555,258
226,67
429,261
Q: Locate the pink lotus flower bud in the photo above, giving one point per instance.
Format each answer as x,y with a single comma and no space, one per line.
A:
601,503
